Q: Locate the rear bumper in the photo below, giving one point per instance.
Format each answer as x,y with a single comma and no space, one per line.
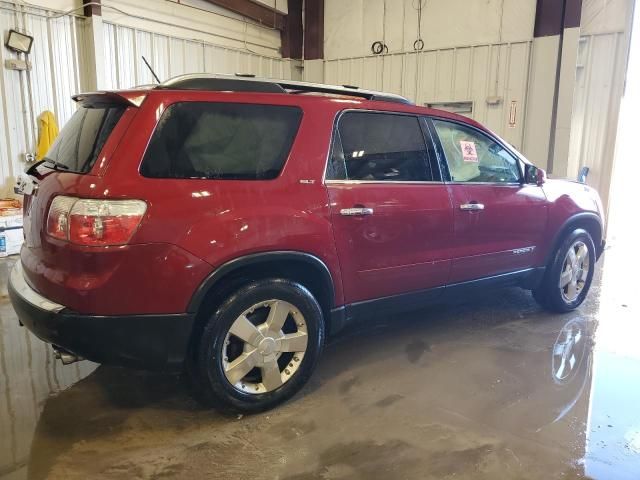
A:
154,342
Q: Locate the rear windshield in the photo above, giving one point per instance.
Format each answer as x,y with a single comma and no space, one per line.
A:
221,141
83,136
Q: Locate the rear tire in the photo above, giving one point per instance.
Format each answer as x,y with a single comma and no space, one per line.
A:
259,348
568,277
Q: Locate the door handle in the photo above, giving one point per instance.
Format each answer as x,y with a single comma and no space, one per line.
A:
472,206
356,212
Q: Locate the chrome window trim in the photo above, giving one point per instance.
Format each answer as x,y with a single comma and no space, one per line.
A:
383,182
495,184
418,182
336,120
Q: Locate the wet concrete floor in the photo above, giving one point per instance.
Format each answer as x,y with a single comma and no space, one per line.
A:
494,388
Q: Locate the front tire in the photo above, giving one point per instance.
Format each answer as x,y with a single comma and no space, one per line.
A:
260,346
568,277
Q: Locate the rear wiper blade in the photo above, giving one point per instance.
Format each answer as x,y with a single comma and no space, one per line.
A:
47,162
55,165
32,168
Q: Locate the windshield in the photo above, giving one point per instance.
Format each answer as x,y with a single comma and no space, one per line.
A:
82,138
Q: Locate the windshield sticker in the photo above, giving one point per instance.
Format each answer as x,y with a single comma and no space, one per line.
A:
469,153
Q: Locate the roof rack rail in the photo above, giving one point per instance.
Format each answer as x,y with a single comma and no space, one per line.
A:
246,83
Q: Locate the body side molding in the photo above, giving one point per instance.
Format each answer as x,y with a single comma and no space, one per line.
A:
527,278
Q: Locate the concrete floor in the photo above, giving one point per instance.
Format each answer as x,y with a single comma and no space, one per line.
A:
477,390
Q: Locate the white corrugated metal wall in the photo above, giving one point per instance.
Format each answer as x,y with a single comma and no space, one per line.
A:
502,70
56,75
600,76
48,86
58,58
171,56
471,73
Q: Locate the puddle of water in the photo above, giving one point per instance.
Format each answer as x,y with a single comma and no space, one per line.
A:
492,389
29,375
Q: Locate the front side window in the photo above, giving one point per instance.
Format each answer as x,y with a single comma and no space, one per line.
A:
83,136
221,141
475,157
379,147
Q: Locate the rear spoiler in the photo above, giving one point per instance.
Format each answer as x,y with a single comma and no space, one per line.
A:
129,98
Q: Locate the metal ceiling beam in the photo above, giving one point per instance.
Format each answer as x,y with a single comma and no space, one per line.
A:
92,8
292,34
313,29
552,16
257,12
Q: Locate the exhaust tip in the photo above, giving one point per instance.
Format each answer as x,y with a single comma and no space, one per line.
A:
65,357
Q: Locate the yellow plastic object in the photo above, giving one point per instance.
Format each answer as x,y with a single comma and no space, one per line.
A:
48,133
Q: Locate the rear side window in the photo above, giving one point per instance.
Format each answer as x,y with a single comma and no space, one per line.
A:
83,136
379,147
221,141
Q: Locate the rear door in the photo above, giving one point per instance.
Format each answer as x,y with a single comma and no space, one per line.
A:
499,221
391,213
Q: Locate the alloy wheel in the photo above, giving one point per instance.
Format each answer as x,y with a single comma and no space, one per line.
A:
575,271
264,346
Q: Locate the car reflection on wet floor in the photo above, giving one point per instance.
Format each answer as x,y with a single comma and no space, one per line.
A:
493,388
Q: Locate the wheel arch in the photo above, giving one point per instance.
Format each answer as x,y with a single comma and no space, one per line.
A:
587,221
301,267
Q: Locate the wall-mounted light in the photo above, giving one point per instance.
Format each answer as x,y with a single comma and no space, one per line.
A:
19,42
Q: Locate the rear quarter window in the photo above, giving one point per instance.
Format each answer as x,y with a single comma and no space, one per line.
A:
221,141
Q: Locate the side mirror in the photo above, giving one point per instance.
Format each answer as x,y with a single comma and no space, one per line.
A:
534,175
582,174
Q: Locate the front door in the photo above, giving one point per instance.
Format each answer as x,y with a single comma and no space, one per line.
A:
391,214
499,221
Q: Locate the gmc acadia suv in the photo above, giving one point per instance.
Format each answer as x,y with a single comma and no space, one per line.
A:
226,225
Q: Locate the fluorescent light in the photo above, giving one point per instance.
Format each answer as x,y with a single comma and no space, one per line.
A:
19,42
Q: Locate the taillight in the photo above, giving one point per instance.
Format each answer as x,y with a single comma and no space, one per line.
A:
58,219
94,222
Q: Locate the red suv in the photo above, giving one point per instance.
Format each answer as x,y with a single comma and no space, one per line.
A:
227,224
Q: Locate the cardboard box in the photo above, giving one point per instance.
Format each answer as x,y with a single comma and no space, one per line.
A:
11,235
11,241
10,221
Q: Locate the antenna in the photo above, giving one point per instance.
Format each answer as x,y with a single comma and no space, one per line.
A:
151,69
